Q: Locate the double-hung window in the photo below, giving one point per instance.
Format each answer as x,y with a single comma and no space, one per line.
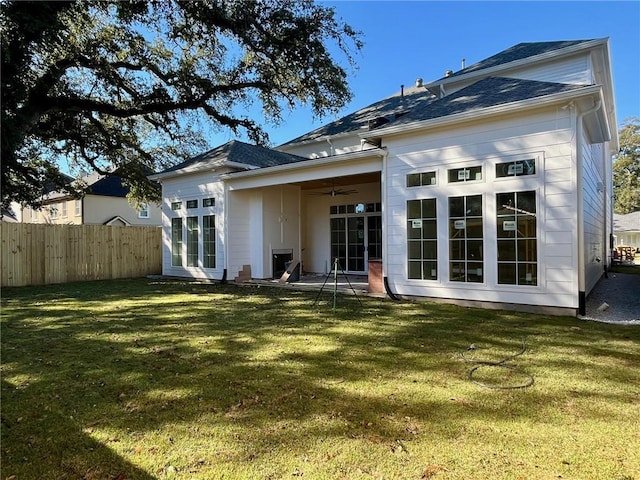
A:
144,210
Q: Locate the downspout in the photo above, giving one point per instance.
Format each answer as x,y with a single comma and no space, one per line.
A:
225,233
582,298
328,139
385,229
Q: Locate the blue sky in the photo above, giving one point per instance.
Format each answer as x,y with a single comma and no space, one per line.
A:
406,40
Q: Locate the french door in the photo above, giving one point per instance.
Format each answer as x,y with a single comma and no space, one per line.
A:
355,240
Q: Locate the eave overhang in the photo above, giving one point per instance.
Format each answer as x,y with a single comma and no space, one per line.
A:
595,91
312,163
201,168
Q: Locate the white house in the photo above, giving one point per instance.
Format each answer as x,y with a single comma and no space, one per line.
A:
626,229
491,185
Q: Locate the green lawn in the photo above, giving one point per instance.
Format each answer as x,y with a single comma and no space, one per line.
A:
142,379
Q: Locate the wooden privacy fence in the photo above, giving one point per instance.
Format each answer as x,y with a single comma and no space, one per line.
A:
35,254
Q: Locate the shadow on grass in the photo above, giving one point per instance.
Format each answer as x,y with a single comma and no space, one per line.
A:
108,378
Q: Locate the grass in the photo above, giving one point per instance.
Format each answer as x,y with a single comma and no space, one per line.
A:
150,380
626,268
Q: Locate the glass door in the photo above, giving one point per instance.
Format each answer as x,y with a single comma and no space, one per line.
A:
356,250
355,240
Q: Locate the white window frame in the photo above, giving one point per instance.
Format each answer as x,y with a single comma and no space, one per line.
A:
143,212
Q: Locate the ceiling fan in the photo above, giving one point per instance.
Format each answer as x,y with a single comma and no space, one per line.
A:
334,192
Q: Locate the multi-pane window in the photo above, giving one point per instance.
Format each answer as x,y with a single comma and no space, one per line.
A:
421,179
517,245
208,202
516,169
78,208
422,239
192,203
176,242
465,174
176,205
63,209
466,239
192,241
209,241
144,210
355,208
339,241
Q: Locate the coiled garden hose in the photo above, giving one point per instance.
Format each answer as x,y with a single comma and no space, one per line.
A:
500,364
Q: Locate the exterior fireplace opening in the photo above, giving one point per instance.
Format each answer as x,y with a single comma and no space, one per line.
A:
281,260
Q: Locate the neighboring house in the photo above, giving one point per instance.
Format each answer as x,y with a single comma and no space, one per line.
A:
626,229
491,184
105,203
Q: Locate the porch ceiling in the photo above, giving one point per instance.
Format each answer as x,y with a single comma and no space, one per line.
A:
340,181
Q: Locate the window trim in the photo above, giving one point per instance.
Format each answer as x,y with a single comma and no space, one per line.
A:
143,211
518,286
410,222
421,175
176,257
209,238
467,169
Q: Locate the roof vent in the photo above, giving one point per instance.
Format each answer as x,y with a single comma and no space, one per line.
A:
448,73
418,82
376,122
464,63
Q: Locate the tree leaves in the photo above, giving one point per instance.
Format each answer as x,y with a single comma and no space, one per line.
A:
626,169
136,86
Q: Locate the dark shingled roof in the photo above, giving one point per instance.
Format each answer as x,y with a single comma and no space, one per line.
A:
378,113
239,152
108,187
488,92
517,52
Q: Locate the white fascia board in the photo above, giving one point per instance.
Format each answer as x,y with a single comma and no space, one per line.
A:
365,161
193,169
311,163
542,57
485,112
320,139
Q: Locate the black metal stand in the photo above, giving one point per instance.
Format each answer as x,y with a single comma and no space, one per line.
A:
336,265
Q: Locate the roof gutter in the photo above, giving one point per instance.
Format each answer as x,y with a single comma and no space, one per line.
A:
207,168
318,139
322,161
476,114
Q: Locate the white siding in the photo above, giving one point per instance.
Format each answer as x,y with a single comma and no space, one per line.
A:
241,218
281,227
181,189
576,70
316,241
262,220
545,135
322,148
594,211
